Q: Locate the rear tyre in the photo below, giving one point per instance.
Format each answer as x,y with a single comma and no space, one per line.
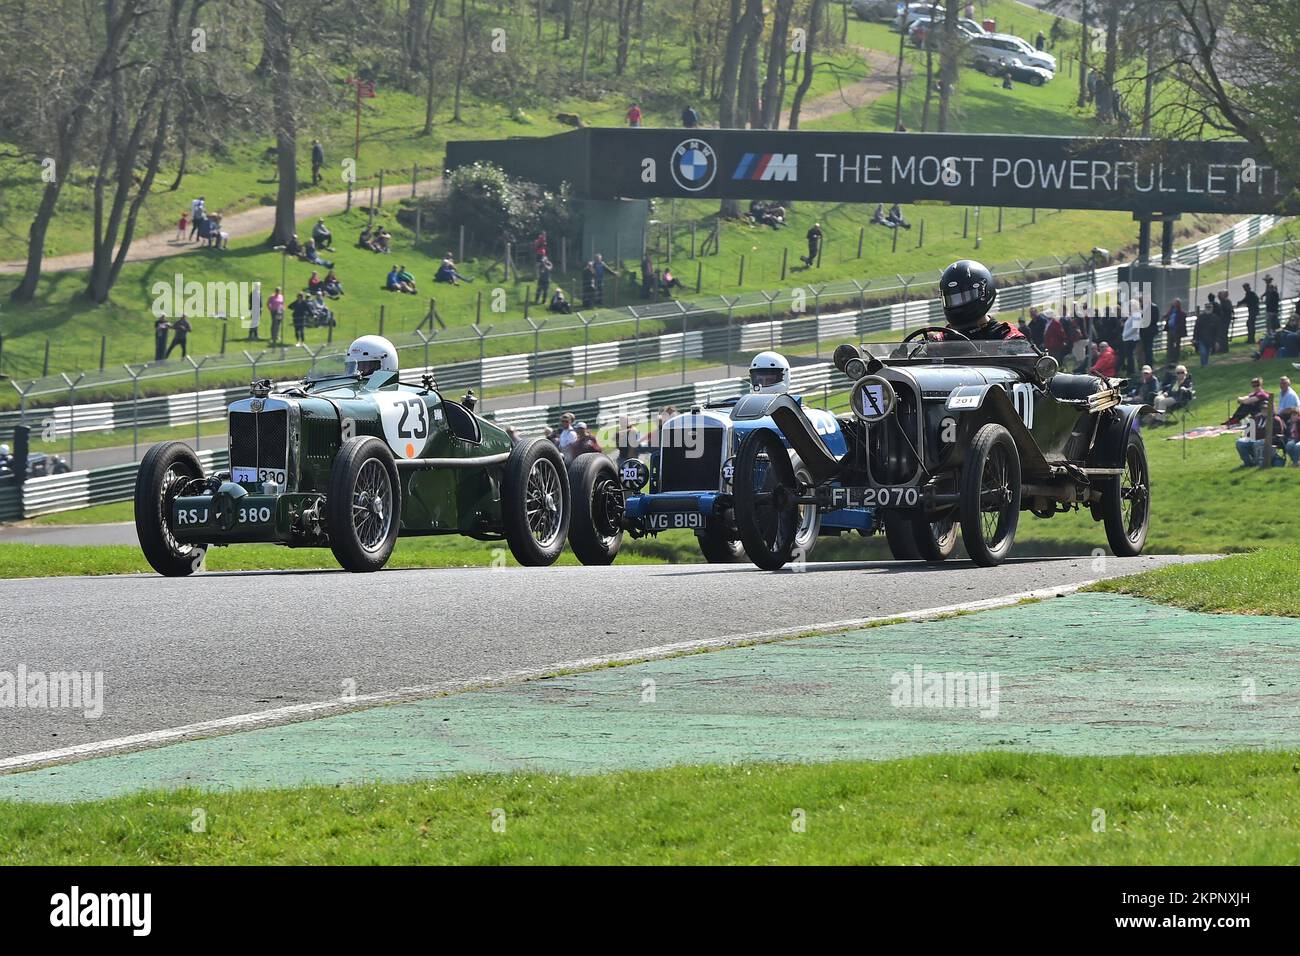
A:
535,502
901,537
716,546
164,472
1126,501
596,529
990,496
767,514
364,506
936,540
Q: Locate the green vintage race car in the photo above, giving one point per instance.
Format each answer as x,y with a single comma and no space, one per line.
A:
350,459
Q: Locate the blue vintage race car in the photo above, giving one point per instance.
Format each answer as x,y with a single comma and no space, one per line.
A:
687,485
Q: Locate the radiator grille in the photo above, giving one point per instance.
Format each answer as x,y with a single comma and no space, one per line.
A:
694,468
259,440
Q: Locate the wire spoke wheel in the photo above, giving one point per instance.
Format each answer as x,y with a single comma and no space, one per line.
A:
543,502
990,495
372,505
1126,500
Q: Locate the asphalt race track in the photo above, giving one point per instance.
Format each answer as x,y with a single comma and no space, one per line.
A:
179,652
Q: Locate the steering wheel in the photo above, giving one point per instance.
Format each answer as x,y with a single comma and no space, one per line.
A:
933,328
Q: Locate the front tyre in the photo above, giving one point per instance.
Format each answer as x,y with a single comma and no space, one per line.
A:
990,496
535,502
900,535
1126,501
164,472
364,504
767,512
596,530
810,519
936,540
716,546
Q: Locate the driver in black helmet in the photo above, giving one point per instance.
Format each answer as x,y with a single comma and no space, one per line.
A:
967,290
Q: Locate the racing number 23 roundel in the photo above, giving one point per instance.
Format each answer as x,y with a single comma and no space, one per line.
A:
406,423
694,165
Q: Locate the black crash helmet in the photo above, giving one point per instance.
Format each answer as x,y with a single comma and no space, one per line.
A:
966,288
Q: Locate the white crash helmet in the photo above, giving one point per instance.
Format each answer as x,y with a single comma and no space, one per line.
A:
370,354
4,451
769,373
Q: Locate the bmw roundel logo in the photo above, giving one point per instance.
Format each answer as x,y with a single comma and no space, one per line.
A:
694,165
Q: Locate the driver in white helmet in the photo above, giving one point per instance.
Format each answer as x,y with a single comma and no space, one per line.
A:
769,373
370,354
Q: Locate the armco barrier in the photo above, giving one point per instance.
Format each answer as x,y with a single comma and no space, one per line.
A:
77,489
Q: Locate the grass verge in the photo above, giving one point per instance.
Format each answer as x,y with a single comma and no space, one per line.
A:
990,808
1254,583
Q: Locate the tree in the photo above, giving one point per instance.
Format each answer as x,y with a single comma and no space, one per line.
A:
806,78
949,53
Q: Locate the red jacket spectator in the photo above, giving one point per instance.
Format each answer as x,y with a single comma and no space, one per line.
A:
1054,336
1107,363
539,246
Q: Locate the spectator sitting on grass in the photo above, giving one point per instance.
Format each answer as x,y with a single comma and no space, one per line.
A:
1176,391
1292,443
314,283
381,239
1250,446
1107,363
293,247
321,235
447,272
331,286
559,303
878,217
366,240
311,255
1250,403
1146,388
668,282
394,282
407,280
896,217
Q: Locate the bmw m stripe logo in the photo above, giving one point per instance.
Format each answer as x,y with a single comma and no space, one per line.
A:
765,167
694,165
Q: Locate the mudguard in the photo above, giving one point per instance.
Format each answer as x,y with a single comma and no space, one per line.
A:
992,400
1108,450
788,416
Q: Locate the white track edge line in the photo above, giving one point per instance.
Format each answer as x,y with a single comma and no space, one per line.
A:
297,712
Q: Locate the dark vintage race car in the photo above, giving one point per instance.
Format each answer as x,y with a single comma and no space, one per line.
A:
947,435
350,462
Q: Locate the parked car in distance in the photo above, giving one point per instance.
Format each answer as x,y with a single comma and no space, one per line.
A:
874,9
1003,46
924,27
903,21
1020,71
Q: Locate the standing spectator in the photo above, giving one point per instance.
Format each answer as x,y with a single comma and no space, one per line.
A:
647,276
1040,41
196,216
567,436
602,269
544,270
1206,332
1037,326
814,244
1131,335
539,246
634,116
181,329
690,118
589,285
183,227
1224,307
1054,338
584,441
1251,301
1148,335
627,439
275,305
300,308
1175,329
160,327
317,160
254,315
1272,305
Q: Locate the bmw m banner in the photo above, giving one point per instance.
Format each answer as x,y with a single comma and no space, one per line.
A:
1148,176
